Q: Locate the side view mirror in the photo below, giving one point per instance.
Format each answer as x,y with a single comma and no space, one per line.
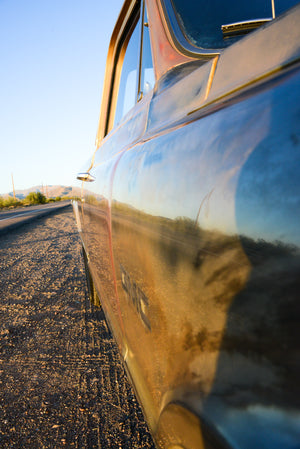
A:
86,177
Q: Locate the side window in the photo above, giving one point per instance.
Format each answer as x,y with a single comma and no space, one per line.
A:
201,21
137,75
147,71
129,77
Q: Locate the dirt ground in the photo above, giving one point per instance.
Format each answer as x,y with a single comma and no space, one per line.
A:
61,381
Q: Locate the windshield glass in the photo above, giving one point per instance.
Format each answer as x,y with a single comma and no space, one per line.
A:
201,20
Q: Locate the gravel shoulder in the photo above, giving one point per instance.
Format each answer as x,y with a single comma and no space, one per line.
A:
61,380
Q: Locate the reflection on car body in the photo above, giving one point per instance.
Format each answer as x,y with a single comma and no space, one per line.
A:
190,218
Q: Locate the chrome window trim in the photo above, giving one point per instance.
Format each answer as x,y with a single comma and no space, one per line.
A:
243,27
139,94
273,9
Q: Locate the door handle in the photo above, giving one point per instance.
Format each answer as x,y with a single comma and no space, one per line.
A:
86,177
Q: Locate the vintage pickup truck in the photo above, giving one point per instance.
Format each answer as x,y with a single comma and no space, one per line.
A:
190,218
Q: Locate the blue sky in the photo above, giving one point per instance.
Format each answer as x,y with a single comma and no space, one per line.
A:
53,55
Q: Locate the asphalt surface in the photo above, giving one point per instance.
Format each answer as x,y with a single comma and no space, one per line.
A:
11,219
62,384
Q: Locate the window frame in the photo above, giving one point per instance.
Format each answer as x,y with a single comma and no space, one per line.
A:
132,12
121,48
118,66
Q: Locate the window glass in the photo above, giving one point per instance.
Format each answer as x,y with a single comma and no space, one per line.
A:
148,80
201,20
128,87
128,83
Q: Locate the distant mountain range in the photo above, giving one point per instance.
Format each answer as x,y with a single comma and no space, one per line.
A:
48,191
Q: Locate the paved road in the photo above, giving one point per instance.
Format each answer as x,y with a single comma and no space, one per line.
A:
61,381
10,219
